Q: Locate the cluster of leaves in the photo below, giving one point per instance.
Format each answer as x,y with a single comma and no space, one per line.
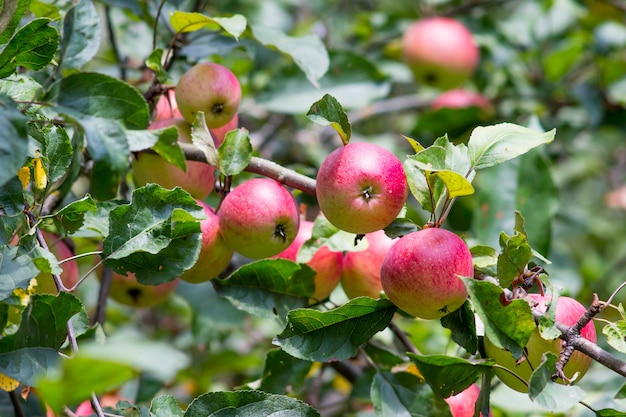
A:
84,125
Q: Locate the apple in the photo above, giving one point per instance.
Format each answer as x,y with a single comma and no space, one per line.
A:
361,187
464,403
568,311
198,180
327,264
166,107
420,273
125,289
219,133
259,218
361,269
440,52
214,255
210,88
461,99
70,274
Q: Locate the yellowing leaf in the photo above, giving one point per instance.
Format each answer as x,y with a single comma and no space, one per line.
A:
417,147
456,183
41,178
190,22
412,369
24,175
8,384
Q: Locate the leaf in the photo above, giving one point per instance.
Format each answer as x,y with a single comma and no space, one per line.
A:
155,63
485,258
508,327
13,140
27,364
616,335
551,395
282,373
268,288
456,184
163,141
383,356
81,35
33,46
515,256
248,403
156,236
165,406
10,16
335,334
71,217
404,394
201,137
463,326
492,145
328,112
235,153
449,375
609,412
417,147
308,52
16,271
190,22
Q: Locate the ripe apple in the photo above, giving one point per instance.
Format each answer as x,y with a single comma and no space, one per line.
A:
198,180
214,255
326,263
210,88
259,218
70,274
440,52
361,269
461,99
361,187
166,107
126,290
464,403
568,311
420,273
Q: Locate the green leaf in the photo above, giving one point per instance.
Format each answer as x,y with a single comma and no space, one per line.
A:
190,22
13,140
248,404
163,141
10,16
282,373
335,334
268,287
449,375
16,271
616,335
71,217
155,63
551,395
202,138
384,357
515,256
27,364
165,406
308,52
609,412
44,322
157,236
485,259
404,394
621,393
328,112
32,46
463,326
492,145
235,153
508,327
81,35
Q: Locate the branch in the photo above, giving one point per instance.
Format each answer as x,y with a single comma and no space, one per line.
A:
260,166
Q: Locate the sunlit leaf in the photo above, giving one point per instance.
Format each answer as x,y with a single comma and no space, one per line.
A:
551,395
328,112
248,403
616,335
71,217
16,270
33,46
235,152
190,22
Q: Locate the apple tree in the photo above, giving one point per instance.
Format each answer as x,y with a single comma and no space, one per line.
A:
329,208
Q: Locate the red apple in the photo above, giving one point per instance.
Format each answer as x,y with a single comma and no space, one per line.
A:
461,99
568,311
198,180
219,133
126,290
70,274
214,255
210,88
326,263
420,273
440,52
259,218
166,107
361,269
361,187
464,403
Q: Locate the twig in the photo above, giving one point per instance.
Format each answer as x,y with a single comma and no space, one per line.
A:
113,41
17,407
399,333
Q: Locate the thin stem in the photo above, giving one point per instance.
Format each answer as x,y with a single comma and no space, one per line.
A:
17,407
156,23
113,40
401,335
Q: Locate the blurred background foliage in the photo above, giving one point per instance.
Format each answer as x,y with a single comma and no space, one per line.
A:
544,63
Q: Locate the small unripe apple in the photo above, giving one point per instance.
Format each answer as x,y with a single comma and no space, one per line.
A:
259,218
440,52
421,271
198,180
361,269
70,274
361,187
126,290
464,403
568,311
326,263
210,88
461,99
214,255
166,107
